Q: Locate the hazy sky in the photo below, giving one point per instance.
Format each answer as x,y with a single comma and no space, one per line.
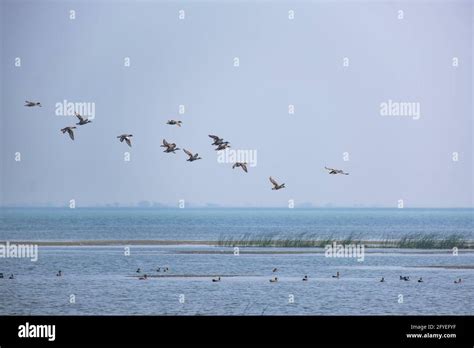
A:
282,62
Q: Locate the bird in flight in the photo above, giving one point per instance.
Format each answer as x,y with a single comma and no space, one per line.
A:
31,104
217,141
127,139
173,122
222,146
170,147
335,171
191,156
69,131
276,186
242,165
82,120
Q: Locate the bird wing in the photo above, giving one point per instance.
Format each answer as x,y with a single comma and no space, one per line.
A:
188,153
330,169
273,181
79,117
129,143
234,165
165,143
244,167
215,137
71,133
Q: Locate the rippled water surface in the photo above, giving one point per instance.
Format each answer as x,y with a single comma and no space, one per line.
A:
104,282
212,224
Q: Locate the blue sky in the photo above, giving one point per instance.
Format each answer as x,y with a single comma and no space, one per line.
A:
282,62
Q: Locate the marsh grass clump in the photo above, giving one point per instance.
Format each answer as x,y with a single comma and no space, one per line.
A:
302,240
307,240
431,241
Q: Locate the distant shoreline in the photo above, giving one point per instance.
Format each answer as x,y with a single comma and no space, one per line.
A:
217,207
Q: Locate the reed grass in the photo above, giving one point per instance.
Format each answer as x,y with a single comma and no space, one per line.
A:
307,240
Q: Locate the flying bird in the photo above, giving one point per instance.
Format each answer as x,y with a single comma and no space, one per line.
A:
69,131
170,147
82,120
173,122
191,156
217,140
127,139
335,171
276,186
242,165
222,146
31,104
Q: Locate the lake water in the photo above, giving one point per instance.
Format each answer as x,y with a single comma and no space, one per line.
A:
104,280
212,224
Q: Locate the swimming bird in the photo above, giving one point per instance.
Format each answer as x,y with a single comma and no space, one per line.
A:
335,171
274,280
382,280
223,146
69,131
305,278
59,274
166,269
11,276
170,147
143,278
276,186
420,280
31,104
1,275
127,139
217,140
242,165
138,270
191,156
407,279
82,120
174,122
158,269
458,281
337,275
218,279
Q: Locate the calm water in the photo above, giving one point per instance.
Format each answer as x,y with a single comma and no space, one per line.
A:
104,280
211,224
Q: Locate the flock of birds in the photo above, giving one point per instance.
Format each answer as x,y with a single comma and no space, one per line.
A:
218,142
218,279
275,279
